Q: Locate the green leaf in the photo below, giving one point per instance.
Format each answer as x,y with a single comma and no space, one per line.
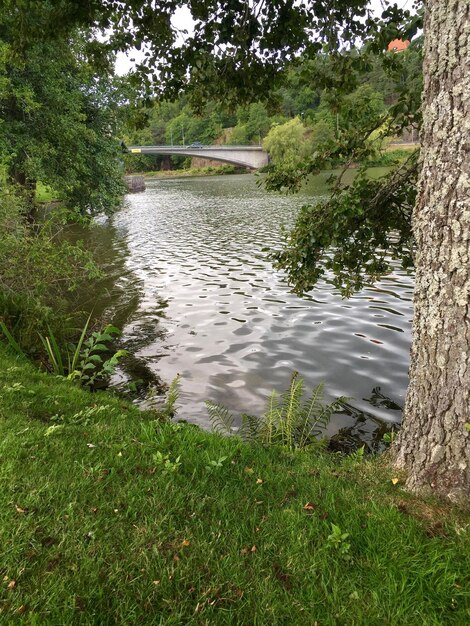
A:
100,347
95,358
76,354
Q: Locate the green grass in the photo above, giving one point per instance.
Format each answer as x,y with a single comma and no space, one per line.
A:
102,524
390,157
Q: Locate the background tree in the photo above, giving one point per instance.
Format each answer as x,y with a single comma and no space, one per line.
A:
288,144
59,125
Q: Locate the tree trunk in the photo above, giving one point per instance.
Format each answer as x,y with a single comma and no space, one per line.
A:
434,443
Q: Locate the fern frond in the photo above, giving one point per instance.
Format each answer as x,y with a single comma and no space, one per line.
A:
288,420
220,417
313,406
291,405
270,419
172,397
321,421
311,409
250,427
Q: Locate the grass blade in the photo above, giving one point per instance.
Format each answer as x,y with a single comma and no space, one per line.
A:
78,347
57,353
11,340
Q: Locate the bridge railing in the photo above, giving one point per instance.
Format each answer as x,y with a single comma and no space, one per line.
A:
203,147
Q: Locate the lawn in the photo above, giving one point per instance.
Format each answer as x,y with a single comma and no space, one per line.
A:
114,516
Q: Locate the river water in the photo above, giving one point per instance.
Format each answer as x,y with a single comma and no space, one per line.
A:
191,286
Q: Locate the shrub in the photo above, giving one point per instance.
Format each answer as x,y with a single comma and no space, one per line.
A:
38,274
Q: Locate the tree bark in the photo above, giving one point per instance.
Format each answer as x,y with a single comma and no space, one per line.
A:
434,443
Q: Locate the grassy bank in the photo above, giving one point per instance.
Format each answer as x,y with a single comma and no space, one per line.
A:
109,516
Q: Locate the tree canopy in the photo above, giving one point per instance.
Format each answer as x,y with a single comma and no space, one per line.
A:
59,123
241,46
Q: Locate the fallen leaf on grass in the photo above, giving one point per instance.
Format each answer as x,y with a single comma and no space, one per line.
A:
19,509
11,584
156,582
22,609
394,481
249,470
90,445
309,506
248,550
260,481
185,543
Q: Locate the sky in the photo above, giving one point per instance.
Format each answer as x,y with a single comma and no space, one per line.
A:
182,20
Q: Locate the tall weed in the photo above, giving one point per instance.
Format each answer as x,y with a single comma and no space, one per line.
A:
84,361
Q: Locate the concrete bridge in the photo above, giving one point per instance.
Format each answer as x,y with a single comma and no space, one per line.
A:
246,156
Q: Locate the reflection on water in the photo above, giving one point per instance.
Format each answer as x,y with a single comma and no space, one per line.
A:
212,309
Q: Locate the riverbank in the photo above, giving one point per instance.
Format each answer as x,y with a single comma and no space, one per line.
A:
110,515
208,170
46,195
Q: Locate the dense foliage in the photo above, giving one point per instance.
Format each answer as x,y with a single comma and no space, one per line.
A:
59,125
236,48
40,274
352,237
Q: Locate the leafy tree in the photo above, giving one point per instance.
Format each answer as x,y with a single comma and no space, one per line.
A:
253,122
239,135
58,125
323,132
257,122
288,144
298,95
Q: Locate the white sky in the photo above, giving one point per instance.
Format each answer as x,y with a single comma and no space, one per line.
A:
182,20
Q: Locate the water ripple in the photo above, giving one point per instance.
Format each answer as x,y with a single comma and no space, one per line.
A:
231,327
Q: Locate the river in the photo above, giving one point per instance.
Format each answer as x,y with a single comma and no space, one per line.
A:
191,286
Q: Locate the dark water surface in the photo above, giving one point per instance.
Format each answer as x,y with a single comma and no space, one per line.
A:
197,297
